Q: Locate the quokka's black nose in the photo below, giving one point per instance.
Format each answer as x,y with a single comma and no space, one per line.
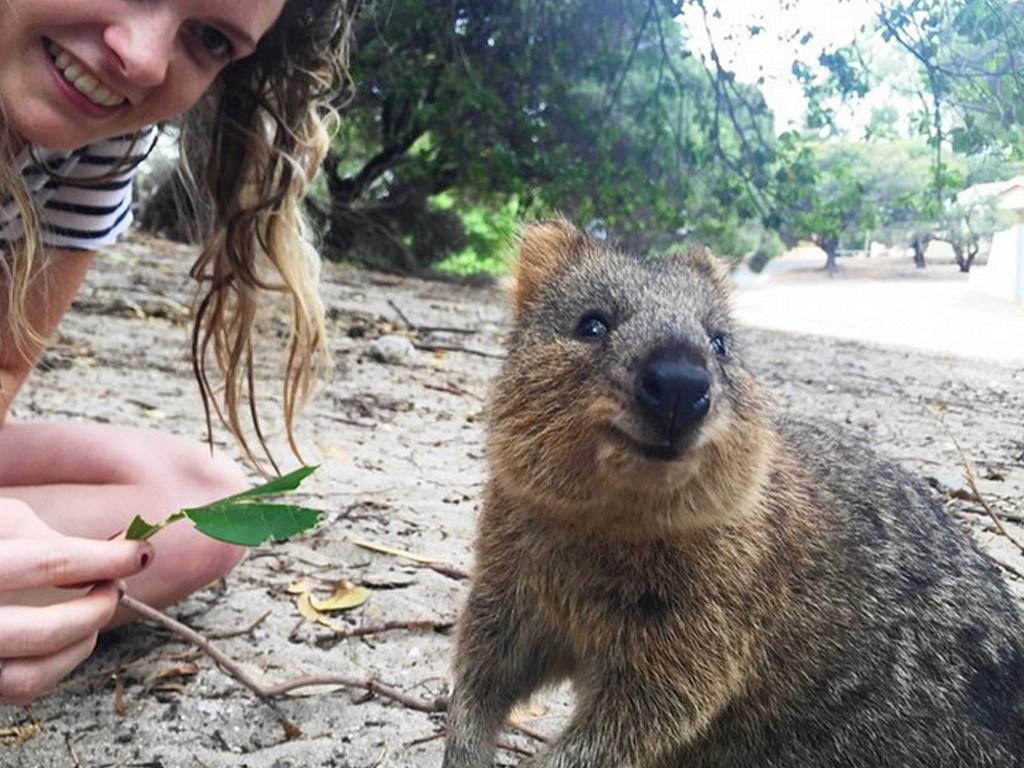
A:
673,394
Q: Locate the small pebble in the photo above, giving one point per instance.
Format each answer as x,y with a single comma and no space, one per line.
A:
389,349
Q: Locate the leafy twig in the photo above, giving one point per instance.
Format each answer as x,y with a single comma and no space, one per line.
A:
243,519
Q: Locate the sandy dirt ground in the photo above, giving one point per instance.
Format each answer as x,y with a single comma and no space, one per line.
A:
401,452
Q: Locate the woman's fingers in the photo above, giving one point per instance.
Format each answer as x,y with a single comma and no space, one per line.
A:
64,560
24,680
30,632
40,646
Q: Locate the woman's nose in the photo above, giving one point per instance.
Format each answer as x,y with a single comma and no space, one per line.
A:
143,41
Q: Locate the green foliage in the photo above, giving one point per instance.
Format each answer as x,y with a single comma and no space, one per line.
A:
243,519
488,233
964,56
590,107
470,114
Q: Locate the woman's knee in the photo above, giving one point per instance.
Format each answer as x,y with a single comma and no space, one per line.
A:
201,479
210,477
182,474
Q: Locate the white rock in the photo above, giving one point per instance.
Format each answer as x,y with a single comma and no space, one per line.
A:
389,349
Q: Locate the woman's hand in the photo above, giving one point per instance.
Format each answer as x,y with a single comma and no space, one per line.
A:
40,645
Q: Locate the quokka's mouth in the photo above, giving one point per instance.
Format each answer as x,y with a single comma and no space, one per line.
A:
665,451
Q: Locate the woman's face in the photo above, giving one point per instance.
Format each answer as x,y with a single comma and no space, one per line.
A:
73,72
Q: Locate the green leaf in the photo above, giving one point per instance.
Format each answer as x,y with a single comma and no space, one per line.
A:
238,519
250,524
278,485
140,530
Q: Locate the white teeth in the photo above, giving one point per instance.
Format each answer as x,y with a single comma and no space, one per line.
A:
105,97
85,83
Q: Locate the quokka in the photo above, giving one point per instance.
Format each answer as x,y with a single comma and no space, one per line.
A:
724,585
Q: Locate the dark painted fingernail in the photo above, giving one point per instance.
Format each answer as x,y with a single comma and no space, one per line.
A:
147,556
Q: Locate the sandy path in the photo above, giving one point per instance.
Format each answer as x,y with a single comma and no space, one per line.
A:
884,301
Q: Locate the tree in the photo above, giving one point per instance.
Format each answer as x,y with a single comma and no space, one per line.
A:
591,107
829,202
967,223
599,109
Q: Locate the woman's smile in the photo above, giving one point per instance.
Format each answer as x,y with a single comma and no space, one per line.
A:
82,89
77,74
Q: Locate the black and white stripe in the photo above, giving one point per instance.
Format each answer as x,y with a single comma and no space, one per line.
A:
81,204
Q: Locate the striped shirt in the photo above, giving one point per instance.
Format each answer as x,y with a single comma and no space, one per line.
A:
81,204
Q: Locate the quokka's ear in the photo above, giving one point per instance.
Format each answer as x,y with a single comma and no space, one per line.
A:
702,260
542,248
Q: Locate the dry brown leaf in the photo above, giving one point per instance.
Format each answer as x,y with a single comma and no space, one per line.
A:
530,710
385,550
182,670
305,606
964,494
345,597
171,687
120,700
336,453
298,587
19,734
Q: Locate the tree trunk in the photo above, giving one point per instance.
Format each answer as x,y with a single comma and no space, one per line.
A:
972,254
919,246
958,254
831,248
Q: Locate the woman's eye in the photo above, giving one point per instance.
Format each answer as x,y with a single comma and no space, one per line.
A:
593,326
214,42
718,345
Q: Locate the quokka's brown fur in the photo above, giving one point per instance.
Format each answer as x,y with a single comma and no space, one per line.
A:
744,591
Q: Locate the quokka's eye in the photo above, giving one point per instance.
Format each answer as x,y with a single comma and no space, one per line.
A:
593,326
718,345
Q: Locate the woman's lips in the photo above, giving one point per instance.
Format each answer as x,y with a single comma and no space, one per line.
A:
85,92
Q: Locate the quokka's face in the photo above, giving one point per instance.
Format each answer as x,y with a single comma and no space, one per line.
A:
623,372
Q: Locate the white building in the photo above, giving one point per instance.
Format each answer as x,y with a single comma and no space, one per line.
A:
1003,276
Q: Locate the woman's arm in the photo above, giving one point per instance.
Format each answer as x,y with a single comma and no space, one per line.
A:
54,286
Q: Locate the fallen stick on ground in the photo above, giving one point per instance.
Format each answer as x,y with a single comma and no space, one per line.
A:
264,691
267,692
972,484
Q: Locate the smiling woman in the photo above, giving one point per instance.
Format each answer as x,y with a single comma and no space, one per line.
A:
154,60
82,86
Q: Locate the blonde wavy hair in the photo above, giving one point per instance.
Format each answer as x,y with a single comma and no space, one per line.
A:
18,262
250,149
